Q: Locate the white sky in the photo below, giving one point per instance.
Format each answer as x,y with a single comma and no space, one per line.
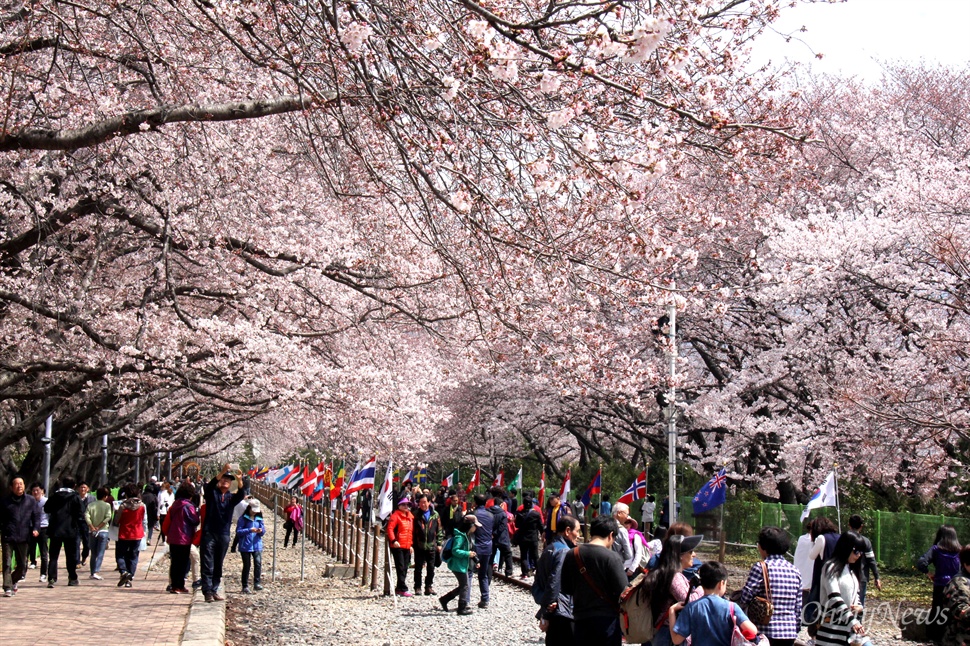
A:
854,36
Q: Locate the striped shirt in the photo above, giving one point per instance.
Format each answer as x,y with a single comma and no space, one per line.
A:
786,596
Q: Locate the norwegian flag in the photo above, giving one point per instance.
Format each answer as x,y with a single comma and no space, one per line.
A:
636,491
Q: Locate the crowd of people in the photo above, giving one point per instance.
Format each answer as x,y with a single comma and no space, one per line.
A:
196,522
589,567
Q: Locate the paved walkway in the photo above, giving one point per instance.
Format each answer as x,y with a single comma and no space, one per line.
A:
95,612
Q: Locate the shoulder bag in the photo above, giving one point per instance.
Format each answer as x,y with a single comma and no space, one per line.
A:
760,609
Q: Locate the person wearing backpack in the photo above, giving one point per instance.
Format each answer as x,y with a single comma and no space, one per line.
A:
555,613
593,575
710,620
639,556
459,554
528,523
501,533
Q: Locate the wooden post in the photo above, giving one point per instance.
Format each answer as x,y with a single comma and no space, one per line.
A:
355,557
344,535
364,555
375,557
387,568
325,527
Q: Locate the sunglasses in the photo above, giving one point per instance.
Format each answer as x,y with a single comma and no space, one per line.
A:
857,552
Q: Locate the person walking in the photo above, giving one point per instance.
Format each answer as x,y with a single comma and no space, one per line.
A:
65,524
294,520
250,530
668,585
459,562
39,542
869,564
555,613
237,513
483,547
501,536
957,595
638,550
647,510
98,519
825,536
400,532
710,620
216,529
150,500
579,513
165,498
621,511
839,586
592,574
944,557
19,521
775,574
84,539
528,524
556,510
803,563
132,519
427,539
179,530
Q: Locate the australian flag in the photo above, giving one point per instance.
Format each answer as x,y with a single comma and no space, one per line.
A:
712,494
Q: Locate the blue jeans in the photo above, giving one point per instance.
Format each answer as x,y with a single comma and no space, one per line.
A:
484,578
126,554
257,561
213,552
99,544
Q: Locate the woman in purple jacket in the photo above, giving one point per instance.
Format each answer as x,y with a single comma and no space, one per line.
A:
179,528
944,556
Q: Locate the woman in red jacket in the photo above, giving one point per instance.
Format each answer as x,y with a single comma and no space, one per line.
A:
131,529
400,530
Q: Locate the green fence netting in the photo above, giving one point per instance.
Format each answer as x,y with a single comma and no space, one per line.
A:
898,539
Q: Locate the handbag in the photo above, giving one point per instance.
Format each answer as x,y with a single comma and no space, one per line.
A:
760,609
738,638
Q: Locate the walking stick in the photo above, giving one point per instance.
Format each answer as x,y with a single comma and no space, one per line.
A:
152,559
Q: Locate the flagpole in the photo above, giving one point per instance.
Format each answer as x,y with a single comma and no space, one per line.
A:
672,419
835,478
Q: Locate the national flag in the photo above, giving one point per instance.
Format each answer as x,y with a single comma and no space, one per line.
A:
475,481
338,483
309,481
824,496
386,496
636,491
564,489
281,474
542,488
593,488
499,479
328,476
516,483
349,481
364,478
294,478
408,477
450,480
422,475
320,491
712,494
261,474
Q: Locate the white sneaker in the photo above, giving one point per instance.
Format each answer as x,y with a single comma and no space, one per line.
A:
32,566
43,578
96,577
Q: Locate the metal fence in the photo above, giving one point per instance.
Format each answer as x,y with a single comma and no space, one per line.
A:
343,535
898,538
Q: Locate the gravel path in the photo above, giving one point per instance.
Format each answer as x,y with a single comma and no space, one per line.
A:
339,611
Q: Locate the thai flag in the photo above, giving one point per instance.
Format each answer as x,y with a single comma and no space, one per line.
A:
364,477
636,491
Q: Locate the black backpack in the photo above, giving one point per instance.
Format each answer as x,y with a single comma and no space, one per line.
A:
446,549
